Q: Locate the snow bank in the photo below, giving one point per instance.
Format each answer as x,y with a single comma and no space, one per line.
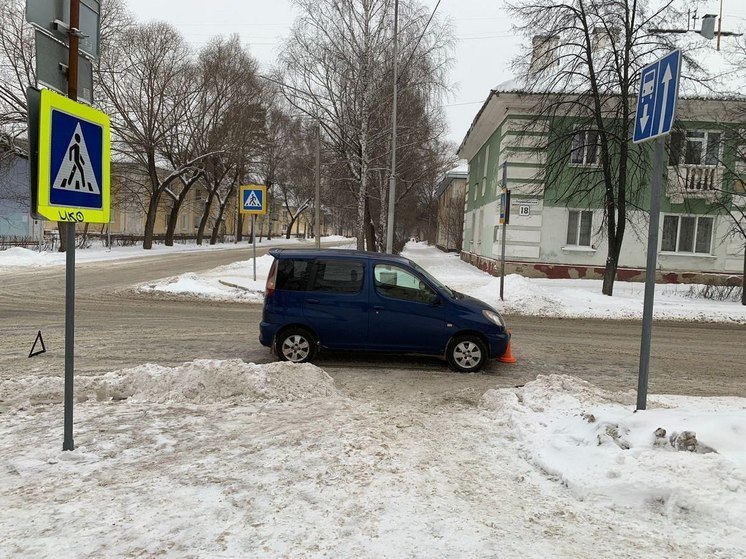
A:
202,381
571,298
18,256
685,456
233,282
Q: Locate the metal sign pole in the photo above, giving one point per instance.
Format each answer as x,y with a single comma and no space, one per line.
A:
72,93
647,312
654,118
502,261
317,209
253,239
504,218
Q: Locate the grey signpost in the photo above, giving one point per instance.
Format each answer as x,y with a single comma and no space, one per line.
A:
656,109
504,220
60,38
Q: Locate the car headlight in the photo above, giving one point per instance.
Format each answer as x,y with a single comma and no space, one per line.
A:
492,316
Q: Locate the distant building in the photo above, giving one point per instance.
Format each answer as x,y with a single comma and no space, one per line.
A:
451,194
15,221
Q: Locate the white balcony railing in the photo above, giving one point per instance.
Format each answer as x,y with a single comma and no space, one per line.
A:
694,182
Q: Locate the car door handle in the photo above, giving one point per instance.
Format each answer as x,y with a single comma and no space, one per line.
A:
377,307
312,301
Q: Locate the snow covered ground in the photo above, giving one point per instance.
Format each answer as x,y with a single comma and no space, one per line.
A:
234,459
229,459
16,256
525,296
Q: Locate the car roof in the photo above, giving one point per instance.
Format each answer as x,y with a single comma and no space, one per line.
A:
336,253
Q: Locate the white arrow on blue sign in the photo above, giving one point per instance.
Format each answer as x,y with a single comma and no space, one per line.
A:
656,101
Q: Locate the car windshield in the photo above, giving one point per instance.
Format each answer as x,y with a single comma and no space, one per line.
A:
422,271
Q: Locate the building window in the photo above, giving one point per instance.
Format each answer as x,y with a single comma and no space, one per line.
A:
484,170
687,234
476,190
695,147
579,226
584,147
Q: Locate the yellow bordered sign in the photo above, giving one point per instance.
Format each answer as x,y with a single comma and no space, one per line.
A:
253,199
73,182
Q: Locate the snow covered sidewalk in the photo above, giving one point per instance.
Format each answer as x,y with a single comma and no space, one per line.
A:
524,296
229,459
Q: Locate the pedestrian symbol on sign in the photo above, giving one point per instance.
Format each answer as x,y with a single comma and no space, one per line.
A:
252,202
75,173
253,199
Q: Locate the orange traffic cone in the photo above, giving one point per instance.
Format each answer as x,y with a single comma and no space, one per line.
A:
508,355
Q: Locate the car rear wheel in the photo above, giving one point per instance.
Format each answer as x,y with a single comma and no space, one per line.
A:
467,354
296,345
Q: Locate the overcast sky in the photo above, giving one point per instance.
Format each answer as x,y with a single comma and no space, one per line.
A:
484,49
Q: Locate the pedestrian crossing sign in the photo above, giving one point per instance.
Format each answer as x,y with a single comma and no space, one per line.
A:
73,161
253,199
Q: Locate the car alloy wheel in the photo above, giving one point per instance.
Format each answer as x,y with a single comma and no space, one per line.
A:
467,354
296,346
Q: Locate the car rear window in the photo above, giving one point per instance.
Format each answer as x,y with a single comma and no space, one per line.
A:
292,275
338,276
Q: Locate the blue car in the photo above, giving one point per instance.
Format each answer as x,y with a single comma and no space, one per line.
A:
340,300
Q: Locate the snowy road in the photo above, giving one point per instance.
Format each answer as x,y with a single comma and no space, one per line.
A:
116,328
392,457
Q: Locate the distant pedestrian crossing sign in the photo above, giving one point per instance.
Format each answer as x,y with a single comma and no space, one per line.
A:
253,199
73,161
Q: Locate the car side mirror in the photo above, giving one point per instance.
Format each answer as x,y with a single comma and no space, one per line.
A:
435,300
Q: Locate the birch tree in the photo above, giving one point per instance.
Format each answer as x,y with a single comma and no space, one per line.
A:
334,68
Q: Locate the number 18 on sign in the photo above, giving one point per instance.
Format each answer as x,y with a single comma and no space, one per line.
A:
656,110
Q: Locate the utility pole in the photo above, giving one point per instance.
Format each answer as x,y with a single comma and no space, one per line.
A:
392,177
317,214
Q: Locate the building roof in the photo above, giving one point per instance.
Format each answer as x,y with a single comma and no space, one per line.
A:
723,79
459,172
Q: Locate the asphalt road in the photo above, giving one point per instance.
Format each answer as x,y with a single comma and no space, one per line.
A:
117,328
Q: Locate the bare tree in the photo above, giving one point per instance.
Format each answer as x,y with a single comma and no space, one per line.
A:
582,68
333,68
149,83
231,124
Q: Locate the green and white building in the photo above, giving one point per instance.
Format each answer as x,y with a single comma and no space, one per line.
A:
545,237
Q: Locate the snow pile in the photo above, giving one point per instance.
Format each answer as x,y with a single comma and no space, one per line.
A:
18,256
526,296
686,456
571,298
233,282
202,381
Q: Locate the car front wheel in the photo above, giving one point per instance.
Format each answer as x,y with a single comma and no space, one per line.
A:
296,345
467,354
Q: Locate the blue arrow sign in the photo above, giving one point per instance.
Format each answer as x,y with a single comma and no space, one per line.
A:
656,100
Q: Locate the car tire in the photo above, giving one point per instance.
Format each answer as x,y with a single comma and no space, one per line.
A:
296,345
467,353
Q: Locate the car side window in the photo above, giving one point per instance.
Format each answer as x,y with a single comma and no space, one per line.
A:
338,276
398,283
292,274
